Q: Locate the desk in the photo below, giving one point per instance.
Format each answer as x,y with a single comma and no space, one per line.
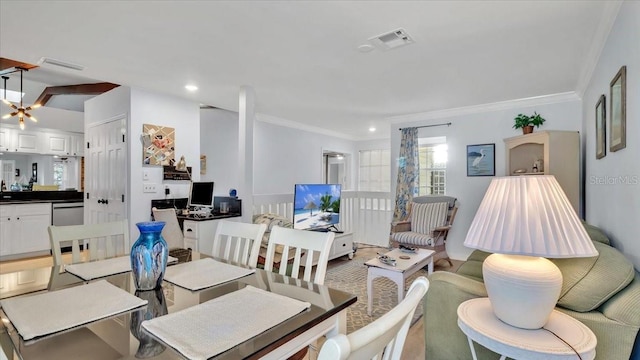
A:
477,321
326,315
199,231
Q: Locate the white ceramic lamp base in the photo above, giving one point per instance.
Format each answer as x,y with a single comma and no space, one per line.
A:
523,290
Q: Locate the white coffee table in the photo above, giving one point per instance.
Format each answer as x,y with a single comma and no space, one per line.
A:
399,273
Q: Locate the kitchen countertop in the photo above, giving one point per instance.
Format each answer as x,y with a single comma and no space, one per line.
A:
36,201
26,197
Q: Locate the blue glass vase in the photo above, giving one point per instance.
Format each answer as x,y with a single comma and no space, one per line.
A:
149,256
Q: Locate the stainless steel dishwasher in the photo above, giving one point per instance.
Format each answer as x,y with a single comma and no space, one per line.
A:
71,213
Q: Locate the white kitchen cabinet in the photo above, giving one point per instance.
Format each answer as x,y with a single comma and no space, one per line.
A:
6,139
6,231
27,141
57,144
77,145
61,143
24,229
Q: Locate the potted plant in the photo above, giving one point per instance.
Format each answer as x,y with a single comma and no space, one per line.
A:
526,123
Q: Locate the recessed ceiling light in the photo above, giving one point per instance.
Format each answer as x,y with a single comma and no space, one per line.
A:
191,87
372,129
365,48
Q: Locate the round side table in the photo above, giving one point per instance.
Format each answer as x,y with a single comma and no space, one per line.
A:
477,320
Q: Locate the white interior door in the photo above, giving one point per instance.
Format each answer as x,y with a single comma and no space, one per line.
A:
8,172
106,172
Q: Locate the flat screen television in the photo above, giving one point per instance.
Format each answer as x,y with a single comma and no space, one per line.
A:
316,206
201,194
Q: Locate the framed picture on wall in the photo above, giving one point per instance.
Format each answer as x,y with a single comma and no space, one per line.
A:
601,127
618,111
481,160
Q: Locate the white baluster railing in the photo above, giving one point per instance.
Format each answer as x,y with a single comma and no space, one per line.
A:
365,214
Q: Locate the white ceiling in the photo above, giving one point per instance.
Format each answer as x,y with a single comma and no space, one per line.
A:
301,57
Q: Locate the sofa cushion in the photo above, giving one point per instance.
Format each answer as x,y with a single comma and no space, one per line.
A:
589,282
272,220
473,266
596,234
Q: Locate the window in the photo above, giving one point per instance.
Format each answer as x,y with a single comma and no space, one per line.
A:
59,169
375,170
432,155
65,172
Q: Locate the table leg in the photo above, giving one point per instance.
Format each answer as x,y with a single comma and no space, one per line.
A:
369,291
398,278
430,268
473,350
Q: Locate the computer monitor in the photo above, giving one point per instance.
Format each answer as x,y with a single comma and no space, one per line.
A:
201,194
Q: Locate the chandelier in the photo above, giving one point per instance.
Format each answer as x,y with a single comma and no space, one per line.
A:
20,111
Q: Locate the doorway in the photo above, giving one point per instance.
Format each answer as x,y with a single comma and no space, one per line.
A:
335,169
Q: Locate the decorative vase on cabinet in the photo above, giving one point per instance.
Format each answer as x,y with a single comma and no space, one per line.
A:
149,256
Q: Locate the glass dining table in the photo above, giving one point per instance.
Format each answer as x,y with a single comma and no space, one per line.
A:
122,337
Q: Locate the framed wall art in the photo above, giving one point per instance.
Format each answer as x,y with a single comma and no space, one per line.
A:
618,111
601,127
481,160
203,164
158,145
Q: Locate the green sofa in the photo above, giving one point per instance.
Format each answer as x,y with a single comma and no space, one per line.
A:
603,292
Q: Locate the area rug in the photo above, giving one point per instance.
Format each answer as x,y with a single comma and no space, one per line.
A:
351,276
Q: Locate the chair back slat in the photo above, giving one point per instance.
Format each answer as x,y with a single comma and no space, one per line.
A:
105,240
306,243
238,242
171,231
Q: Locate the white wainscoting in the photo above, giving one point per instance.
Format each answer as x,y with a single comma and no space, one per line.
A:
365,214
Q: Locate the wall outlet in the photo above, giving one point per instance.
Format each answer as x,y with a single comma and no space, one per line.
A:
149,188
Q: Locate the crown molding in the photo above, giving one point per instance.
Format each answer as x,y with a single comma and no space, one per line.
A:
497,106
609,15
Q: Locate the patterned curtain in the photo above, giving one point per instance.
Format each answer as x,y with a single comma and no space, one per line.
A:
407,186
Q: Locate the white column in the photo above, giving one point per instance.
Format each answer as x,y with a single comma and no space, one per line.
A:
246,112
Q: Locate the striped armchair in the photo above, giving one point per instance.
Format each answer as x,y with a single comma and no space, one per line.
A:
427,225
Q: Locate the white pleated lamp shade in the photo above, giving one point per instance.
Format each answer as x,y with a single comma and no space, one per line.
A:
528,215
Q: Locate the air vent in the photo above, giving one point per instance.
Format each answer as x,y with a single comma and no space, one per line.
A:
391,40
65,64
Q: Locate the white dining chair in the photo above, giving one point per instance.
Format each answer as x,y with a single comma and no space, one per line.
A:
311,248
171,231
308,244
238,242
382,339
105,240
